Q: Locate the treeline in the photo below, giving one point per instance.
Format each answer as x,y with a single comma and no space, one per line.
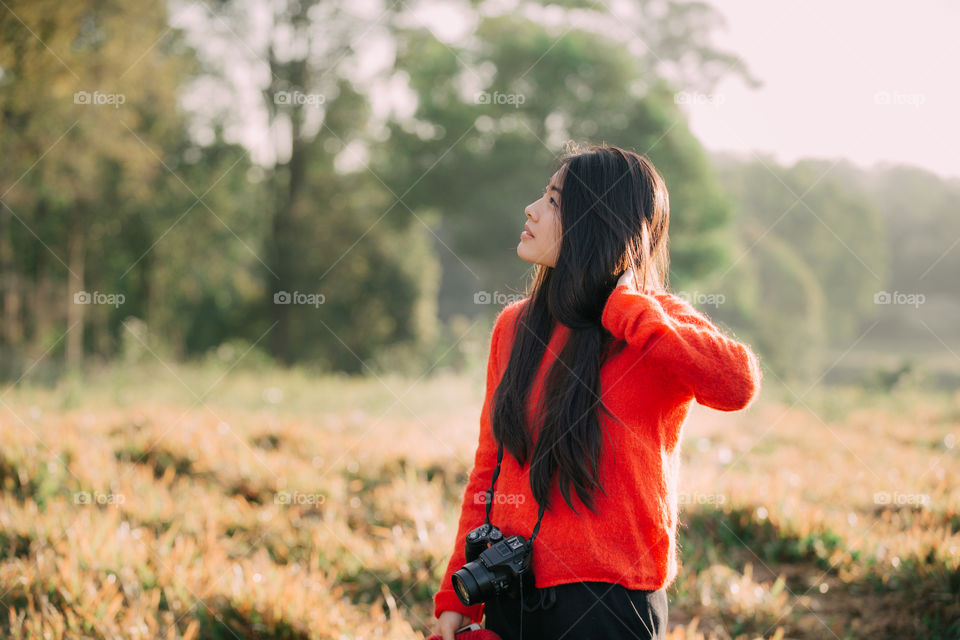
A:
834,260
378,201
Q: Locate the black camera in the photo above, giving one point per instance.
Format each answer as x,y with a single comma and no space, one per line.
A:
479,539
504,567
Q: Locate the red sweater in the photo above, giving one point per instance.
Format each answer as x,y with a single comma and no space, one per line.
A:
665,355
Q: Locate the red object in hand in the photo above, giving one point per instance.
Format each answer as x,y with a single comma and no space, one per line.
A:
481,634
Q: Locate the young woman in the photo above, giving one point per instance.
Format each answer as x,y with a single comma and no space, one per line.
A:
589,381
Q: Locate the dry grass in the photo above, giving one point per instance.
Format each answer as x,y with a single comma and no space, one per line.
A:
187,506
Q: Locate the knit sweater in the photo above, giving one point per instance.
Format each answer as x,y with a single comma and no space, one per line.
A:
665,355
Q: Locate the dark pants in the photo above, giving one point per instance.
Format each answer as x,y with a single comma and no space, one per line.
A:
580,611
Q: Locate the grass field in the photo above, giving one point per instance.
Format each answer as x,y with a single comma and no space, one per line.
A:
186,502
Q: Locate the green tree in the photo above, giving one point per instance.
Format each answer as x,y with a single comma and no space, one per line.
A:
490,119
86,104
329,233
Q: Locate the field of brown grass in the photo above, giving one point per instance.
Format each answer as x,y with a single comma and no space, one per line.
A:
186,503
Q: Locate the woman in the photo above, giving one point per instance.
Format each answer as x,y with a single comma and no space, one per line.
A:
589,380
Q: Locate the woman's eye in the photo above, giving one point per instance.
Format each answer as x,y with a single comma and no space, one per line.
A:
553,202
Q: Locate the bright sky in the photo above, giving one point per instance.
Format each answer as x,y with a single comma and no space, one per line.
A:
823,63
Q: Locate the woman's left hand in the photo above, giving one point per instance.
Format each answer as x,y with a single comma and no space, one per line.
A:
628,279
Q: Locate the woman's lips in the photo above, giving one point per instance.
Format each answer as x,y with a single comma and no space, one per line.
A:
525,234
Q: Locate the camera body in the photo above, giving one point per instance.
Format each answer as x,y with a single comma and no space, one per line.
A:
502,567
477,541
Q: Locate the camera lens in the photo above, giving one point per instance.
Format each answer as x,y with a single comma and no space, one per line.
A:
463,592
474,583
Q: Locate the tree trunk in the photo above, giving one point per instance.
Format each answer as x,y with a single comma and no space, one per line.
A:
12,333
76,304
282,228
43,308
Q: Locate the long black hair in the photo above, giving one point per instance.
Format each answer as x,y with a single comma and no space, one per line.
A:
614,214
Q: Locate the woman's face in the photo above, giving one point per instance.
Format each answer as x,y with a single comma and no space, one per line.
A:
540,241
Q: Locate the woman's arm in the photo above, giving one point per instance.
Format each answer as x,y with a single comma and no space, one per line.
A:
681,310
716,370
473,511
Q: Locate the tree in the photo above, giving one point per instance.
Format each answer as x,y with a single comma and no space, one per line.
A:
491,116
86,101
316,111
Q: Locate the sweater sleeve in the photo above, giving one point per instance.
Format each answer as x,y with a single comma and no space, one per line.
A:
681,310
669,333
473,511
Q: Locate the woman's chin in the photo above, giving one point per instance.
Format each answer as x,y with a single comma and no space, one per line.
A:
524,255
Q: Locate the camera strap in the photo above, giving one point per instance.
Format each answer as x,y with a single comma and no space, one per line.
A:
493,482
533,536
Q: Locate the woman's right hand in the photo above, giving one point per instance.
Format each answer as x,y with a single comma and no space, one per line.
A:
448,622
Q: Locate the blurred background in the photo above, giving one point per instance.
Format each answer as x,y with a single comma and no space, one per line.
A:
254,247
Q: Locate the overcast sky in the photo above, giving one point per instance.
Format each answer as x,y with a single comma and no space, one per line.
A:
870,81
